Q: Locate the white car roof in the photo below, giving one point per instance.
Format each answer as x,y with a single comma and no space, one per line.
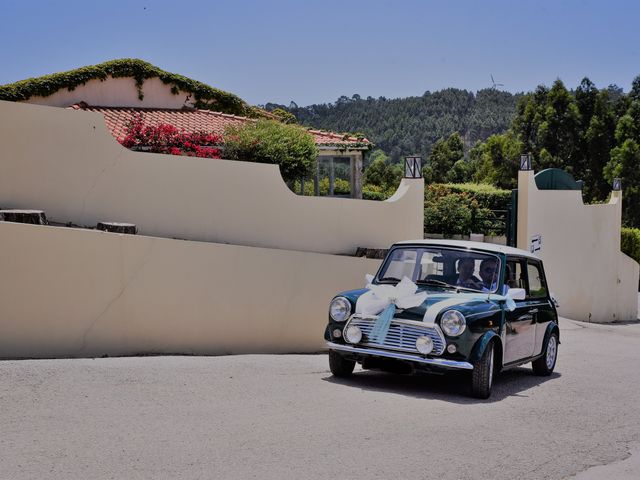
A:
487,247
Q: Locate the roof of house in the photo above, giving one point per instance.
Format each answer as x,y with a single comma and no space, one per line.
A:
192,120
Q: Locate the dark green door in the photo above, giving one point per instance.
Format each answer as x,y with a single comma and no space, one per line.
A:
540,300
520,334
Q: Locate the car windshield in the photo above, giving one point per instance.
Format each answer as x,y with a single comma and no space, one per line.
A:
444,267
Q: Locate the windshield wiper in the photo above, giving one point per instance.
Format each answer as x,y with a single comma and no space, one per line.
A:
432,281
459,287
391,279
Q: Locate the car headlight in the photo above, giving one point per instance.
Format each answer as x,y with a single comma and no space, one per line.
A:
340,309
453,323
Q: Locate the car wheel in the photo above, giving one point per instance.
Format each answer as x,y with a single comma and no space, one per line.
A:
544,365
340,366
482,375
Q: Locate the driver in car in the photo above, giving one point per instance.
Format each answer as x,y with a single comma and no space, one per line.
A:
489,275
466,279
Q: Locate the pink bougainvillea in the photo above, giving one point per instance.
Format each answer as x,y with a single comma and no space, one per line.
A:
164,138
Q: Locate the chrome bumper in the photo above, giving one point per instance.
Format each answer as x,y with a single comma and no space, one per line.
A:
440,362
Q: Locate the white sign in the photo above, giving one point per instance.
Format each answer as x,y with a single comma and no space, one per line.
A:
536,244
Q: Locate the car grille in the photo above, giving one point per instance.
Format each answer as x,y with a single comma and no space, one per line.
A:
401,336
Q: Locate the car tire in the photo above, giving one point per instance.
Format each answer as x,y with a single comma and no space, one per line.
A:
340,366
544,365
482,375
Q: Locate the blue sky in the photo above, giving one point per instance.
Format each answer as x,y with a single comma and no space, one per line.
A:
313,52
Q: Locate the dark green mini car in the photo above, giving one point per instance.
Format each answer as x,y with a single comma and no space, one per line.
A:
439,305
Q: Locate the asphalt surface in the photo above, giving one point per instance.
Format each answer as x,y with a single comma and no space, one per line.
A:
284,416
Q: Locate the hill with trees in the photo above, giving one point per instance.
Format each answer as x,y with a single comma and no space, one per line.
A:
413,124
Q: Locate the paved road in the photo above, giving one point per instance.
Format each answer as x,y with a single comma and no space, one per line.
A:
285,417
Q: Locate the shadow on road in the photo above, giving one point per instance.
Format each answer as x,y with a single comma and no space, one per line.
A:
452,387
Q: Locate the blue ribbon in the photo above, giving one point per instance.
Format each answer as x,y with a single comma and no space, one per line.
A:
381,327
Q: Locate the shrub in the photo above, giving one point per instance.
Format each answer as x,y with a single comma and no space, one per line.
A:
268,141
448,214
340,187
453,209
377,192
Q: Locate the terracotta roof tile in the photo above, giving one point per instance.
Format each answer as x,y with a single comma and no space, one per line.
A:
191,120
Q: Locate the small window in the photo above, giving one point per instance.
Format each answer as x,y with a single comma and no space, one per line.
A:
514,274
537,287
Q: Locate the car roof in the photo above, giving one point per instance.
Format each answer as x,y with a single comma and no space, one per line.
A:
486,247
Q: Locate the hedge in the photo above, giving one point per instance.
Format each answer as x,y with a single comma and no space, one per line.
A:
486,195
630,242
463,208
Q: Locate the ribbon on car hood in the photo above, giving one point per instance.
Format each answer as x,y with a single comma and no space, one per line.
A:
435,309
382,300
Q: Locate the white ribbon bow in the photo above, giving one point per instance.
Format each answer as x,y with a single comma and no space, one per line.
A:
379,297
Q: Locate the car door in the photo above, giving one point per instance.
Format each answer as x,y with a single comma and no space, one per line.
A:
520,324
540,301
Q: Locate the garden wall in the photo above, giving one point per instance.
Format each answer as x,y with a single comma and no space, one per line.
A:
68,164
68,292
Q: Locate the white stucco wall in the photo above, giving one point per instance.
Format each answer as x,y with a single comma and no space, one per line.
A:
591,278
118,92
70,292
67,164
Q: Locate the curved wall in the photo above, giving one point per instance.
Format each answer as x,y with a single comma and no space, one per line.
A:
66,163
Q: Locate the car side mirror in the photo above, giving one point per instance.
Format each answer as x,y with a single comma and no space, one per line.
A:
517,293
554,300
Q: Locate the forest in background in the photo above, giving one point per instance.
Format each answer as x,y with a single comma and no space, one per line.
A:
412,125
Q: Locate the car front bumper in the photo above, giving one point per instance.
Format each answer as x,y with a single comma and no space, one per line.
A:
438,362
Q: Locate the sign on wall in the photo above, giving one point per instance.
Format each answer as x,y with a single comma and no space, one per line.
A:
536,243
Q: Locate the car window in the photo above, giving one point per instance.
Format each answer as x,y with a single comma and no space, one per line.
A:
401,264
537,286
514,274
430,265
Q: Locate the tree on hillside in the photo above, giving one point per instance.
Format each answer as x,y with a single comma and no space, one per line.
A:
443,157
624,163
381,173
496,160
625,157
598,140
